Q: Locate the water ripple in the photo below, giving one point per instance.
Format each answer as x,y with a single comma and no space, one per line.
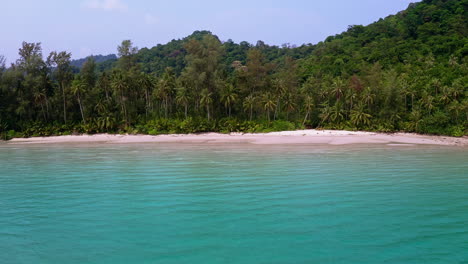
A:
171,203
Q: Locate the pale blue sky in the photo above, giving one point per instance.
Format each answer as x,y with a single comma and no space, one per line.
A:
86,27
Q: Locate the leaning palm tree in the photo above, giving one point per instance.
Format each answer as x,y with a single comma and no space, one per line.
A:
206,100
308,107
78,88
325,113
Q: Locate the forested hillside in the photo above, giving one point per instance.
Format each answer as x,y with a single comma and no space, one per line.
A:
407,72
99,59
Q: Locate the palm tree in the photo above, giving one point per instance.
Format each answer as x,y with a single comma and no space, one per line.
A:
280,91
40,98
182,98
360,117
325,113
249,104
368,97
458,88
206,100
289,104
146,82
436,84
106,123
427,101
308,107
445,96
338,88
119,83
351,97
78,88
415,117
101,107
164,93
228,97
268,104
337,113
411,93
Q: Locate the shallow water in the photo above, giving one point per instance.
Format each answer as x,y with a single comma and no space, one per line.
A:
183,203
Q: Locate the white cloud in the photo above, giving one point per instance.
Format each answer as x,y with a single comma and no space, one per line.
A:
109,5
150,19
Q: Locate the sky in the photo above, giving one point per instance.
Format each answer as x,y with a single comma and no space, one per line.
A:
85,27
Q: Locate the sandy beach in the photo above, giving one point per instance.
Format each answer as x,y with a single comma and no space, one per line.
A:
332,137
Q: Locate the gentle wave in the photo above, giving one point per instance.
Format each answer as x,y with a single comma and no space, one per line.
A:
182,203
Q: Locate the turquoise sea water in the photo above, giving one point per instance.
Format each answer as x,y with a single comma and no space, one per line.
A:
182,203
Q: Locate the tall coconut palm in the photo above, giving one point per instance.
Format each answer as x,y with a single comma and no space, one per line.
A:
206,100
146,82
280,91
182,97
164,92
228,97
119,83
269,104
289,104
40,99
249,104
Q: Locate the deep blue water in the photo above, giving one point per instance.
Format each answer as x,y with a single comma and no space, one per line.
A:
182,203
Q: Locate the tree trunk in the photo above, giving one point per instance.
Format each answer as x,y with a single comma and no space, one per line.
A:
43,112
305,118
147,103
81,110
47,106
64,104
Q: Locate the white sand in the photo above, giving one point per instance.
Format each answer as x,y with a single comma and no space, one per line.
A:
332,137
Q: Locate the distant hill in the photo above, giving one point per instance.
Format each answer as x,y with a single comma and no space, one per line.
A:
97,58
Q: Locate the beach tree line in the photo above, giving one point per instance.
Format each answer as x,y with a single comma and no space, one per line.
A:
407,72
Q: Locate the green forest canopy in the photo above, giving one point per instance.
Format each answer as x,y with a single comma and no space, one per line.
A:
407,72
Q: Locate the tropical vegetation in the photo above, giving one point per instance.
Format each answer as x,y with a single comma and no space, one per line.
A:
407,72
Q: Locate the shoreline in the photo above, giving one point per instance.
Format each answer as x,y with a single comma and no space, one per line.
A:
312,136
